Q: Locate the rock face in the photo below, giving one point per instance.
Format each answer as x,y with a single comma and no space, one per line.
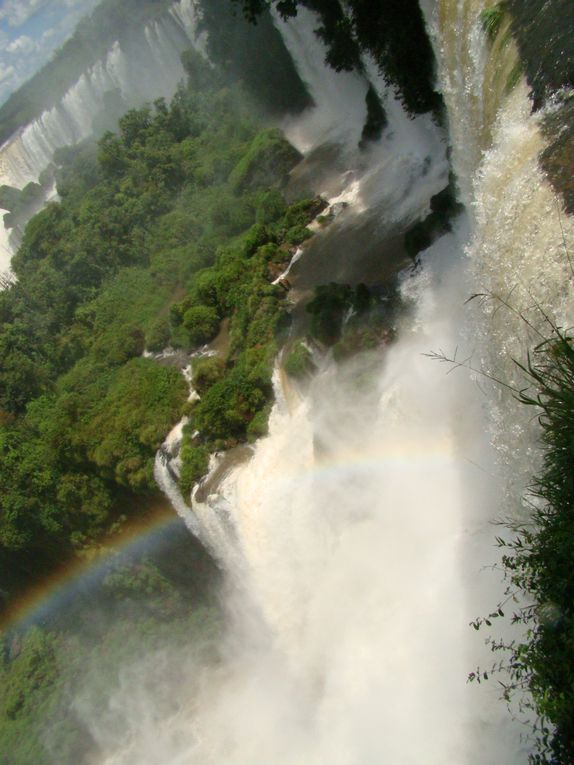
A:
268,162
543,32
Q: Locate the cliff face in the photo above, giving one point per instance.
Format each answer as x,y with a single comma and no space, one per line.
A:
543,31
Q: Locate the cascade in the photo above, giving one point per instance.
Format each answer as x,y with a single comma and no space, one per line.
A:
143,68
520,237
356,537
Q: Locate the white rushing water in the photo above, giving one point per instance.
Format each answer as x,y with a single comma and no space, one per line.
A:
357,539
361,529
520,236
147,67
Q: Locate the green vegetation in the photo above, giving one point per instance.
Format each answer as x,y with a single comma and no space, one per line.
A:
492,18
110,21
164,230
392,31
254,56
298,362
538,564
328,308
345,317
443,208
268,161
236,392
269,78
376,118
57,680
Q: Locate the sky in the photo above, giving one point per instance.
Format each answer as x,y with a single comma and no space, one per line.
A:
30,31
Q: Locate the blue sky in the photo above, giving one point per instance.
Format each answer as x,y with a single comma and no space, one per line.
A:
30,31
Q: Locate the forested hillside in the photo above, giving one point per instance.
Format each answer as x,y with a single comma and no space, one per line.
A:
162,231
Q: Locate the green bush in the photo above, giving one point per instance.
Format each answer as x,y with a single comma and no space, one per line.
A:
158,335
150,245
297,235
259,425
206,372
195,462
327,309
266,162
298,361
201,323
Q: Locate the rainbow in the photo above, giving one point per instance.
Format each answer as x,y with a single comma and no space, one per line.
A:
63,586
53,593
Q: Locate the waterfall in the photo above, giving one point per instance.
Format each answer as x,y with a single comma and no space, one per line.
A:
357,538
144,67
520,238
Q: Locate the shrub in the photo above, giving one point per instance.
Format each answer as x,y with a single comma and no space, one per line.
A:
206,372
266,162
195,463
298,361
201,323
297,235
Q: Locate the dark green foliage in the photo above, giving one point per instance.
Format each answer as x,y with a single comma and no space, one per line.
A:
349,320
229,405
206,372
78,169
444,207
327,309
538,563
195,461
126,261
9,197
492,18
376,118
236,393
301,213
297,235
201,323
123,429
22,204
259,425
270,206
337,32
134,609
298,362
254,55
29,685
267,162
542,565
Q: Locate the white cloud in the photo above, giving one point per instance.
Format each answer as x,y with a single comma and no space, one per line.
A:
31,46
22,44
6,72
17,12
